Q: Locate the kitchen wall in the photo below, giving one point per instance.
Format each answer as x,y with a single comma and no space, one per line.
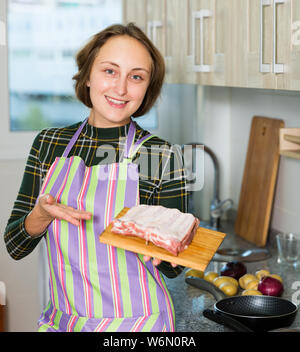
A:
225,117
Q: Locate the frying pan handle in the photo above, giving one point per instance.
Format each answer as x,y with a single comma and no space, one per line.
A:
206,286
225,320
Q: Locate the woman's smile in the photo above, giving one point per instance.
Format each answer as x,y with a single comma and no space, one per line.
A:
116,103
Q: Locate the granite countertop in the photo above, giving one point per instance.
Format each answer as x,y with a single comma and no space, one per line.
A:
189,302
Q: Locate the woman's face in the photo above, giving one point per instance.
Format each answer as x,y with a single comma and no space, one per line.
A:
118,81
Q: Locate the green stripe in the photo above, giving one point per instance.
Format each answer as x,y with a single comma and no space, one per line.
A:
92,237
124,283
114,325
121,187
79,324
54,285
64,238
151,320
55,174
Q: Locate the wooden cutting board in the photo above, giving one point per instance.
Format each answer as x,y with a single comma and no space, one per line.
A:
259,180
197,256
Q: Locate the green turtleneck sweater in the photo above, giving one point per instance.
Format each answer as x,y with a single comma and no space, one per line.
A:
161,175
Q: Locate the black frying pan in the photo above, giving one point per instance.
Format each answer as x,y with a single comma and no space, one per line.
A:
247,313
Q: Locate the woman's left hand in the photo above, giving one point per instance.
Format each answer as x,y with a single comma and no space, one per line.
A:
156,261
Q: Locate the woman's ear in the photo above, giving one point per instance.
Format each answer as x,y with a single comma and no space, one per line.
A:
88,84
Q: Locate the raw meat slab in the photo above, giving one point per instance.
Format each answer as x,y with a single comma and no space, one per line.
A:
197,256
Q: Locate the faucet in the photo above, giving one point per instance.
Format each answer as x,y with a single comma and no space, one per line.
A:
217,207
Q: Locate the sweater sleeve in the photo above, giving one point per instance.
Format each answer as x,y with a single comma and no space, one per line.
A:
173,193
173,190
18,242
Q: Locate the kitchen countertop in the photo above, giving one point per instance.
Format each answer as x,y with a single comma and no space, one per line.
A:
189,302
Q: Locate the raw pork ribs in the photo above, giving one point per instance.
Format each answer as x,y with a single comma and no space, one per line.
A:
167,228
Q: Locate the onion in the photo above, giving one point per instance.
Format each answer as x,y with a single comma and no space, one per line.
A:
270,286
234,269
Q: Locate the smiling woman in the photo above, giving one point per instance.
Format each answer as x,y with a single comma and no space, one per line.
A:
116,90
69,197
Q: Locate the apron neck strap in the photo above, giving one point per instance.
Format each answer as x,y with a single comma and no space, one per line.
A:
74,139
130,147
130,139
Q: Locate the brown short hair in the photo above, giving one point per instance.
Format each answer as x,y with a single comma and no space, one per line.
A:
86,56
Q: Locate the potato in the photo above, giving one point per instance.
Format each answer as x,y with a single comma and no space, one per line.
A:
221,279
251,293
194,273
252,285
245,279
228,288
275,276
210,276
261,273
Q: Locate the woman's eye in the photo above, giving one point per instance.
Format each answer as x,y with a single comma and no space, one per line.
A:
137,77
109,71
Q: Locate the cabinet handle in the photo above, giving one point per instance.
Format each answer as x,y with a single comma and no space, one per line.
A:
199,15
263,68
152,30
277,68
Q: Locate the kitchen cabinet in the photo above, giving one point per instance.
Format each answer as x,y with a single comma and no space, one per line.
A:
265,44
206,58
135,11
238,43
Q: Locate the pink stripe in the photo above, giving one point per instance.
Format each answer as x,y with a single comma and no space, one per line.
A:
111,250
49,175
167,299
102,325
51,281
138,324
71,323
83,250
110,197
115,283
146,299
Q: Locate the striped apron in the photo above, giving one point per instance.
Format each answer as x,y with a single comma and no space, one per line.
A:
94,286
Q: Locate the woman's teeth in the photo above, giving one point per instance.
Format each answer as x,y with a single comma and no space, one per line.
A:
118,102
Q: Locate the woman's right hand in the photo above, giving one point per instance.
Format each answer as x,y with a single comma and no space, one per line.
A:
46,210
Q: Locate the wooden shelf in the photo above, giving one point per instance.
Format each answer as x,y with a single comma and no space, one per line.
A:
291,153
289,142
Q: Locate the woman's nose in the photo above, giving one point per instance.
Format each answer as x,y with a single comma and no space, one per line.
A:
121,86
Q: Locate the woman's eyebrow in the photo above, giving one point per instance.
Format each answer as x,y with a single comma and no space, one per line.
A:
114,64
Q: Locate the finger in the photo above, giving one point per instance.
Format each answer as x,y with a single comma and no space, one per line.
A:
156,261
147,258
174,265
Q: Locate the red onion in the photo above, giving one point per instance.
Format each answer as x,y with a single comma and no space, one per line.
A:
234,269
270,286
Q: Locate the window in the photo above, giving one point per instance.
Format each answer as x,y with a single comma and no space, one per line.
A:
43,38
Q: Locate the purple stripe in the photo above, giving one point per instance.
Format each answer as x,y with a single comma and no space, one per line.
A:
102,260
54,257
87,262
131,191
134,284
60,178
73,243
